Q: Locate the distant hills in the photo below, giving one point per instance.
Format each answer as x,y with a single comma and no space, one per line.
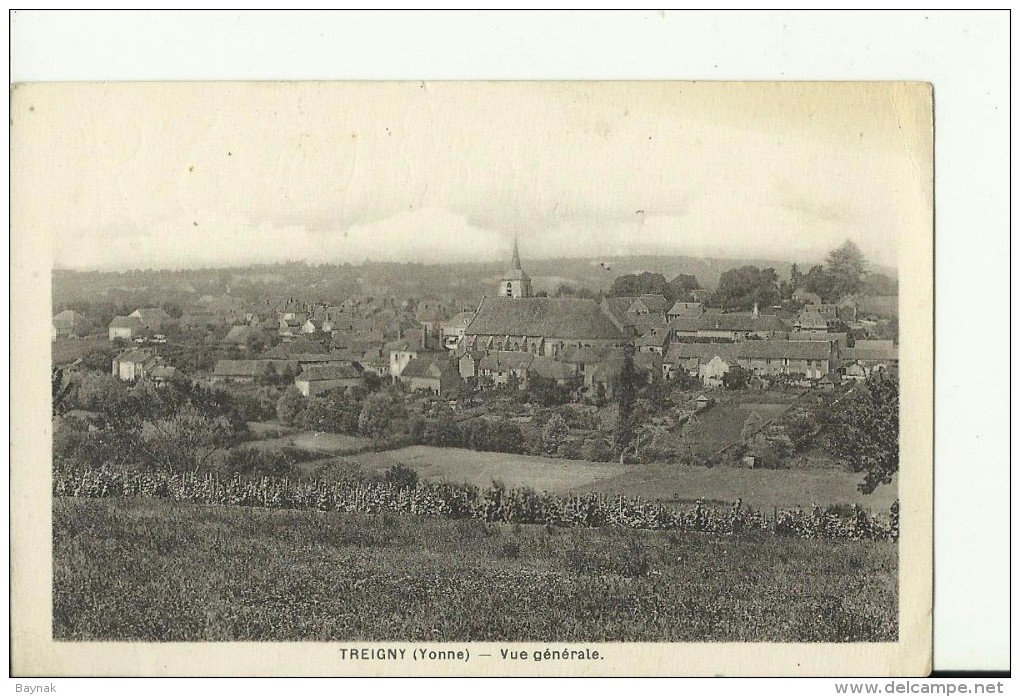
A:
465,280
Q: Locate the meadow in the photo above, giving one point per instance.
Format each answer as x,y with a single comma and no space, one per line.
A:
761,489
153,570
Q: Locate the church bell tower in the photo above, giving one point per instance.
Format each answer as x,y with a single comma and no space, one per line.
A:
515,283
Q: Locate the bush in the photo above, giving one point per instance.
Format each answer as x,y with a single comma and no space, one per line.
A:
554,434
596,449
569,449
401,476
250,462
290,406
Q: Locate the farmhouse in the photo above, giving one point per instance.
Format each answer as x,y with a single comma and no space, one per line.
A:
682,309
431,373
871,356
135,364
731,326
152,318
709,361
126,327
320,378
812,359
67,323
241,370
501,366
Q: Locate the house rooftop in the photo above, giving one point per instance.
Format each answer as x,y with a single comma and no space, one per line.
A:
343,371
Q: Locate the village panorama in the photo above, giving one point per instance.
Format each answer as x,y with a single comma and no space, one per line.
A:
642,448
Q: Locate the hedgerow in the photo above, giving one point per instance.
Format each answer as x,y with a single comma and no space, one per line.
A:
460,501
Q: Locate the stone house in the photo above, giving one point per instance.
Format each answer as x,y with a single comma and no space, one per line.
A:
315,379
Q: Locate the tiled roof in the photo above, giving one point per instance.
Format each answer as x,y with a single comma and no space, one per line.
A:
865,350
550,368
121,322
462,319
648,360
249,368
500,361
301,345
702,351
562,318
425,366
134,356
654,303
685,309
343,371
150,313
163,372
810,350
740,322
649,340
643,324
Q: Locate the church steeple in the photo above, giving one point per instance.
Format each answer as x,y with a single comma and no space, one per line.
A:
515,283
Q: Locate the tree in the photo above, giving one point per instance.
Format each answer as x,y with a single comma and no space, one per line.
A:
735,378
378,412
820,282
103,392
554,434
682,285
626,397
846,266
865,431
642,283
63,390
796,277
185,441
290,406
747,286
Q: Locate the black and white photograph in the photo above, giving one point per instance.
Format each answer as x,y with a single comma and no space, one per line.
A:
466,367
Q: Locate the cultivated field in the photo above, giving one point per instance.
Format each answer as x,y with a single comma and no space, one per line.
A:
150,570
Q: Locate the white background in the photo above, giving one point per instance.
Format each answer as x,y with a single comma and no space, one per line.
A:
965,55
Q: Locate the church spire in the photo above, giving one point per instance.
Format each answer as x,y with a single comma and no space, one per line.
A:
515,263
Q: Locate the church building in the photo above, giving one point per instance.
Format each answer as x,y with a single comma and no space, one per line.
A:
515,320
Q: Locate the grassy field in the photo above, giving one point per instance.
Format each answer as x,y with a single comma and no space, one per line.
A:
147,570
761,489
326,443
481,468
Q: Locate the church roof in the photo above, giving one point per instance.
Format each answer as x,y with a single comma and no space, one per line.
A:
561,318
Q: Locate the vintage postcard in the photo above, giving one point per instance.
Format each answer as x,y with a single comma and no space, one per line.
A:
429,378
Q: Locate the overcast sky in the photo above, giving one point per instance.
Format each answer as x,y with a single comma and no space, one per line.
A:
171,176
